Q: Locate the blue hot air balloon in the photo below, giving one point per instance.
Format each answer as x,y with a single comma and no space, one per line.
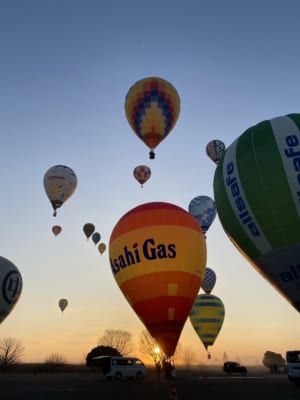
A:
203,208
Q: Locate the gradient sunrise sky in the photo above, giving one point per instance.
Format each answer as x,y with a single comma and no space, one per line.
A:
66,67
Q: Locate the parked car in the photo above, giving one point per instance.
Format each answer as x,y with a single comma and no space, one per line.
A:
121,367
231,367
293,366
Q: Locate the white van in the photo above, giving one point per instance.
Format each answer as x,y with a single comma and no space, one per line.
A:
121,367
293,366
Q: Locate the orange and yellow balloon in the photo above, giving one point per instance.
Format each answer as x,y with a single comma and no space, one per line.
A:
152,107
158,256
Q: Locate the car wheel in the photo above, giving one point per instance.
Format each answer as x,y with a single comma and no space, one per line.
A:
139,376
118,376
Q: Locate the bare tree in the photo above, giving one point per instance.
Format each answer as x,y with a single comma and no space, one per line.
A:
149,347
55,359
188,357
11,351
117,339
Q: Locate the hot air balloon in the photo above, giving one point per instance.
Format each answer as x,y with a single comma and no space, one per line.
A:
56,229
215,150
152,107
62,304
207,317
96,237
102,248
203,208
209,280
158,254
142,173
257,193
88,229
60,183
11,285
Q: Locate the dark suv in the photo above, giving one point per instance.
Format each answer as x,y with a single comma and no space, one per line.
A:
231,367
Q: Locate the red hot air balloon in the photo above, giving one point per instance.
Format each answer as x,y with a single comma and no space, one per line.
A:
142,173
158,254
56,229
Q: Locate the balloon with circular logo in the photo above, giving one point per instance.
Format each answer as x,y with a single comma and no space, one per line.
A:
158,255
11,285
257,194
152,107
60,183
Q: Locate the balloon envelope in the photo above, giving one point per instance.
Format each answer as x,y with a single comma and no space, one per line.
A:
62,304
209,280
203,208
142,173
11,285
60,183
256,188
207,317
88,229
102,248
56,229
158,254
96,237
215,150
152,107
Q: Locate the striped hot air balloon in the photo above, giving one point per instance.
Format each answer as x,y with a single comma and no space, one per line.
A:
158,255
257,194
207,317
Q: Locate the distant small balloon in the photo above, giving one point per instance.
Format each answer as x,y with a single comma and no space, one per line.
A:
215,150
142,173
96,237
102,248
56,229
88,229
203,208
209,280
62,304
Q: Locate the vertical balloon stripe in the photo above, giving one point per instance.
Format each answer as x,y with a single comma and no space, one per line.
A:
228,217
239,202
287,136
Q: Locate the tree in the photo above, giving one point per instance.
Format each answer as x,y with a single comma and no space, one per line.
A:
117,339
100,351
188,357
272,359
149,347
55,360
11,351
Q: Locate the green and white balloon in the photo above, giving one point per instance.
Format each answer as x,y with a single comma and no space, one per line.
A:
257,194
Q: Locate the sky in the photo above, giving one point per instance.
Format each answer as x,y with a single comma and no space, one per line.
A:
65,69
